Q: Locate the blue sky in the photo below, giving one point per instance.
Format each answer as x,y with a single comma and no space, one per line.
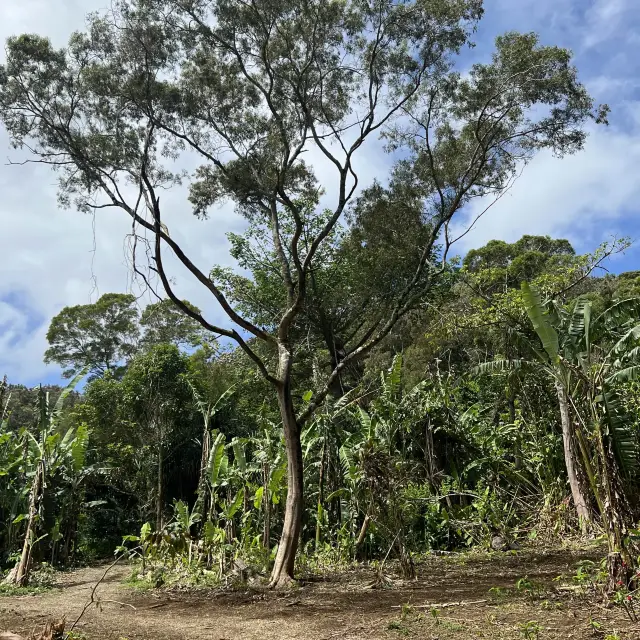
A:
53,258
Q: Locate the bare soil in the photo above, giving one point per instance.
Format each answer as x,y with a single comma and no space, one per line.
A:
344,606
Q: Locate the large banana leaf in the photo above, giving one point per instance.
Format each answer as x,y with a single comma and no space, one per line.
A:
233,507
220,401
56,414
620,313
79,447
627,374
625,345
619,430
580,323
217,459
540,321
239,455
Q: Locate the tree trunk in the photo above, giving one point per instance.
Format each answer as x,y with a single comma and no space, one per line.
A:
430,455
572,461
24,566
320,510
615,514
266,503
362,535
201,501
283,567
160,488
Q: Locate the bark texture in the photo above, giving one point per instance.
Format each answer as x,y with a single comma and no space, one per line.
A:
24,566
284,565
575,471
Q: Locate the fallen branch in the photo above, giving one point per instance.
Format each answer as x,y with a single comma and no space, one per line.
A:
92,599
122,604
443,605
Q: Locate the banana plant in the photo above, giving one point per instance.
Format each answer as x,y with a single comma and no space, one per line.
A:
587,358
208,411
268,454
46,453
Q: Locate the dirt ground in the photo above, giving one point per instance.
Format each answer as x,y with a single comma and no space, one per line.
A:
341,606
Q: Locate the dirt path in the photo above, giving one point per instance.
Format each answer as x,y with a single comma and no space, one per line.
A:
342,607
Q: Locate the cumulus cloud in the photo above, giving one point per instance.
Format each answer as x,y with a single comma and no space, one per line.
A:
585,197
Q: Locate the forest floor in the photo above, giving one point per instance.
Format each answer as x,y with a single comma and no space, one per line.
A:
343,605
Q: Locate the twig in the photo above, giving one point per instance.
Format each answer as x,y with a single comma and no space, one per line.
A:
444,605
92,599
122,604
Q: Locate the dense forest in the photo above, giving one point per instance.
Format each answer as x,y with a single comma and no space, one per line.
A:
485,414
364,390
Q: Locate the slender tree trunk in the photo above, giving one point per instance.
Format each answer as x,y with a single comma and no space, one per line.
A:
201,501
24,566
160,488
362,535
430,454
283,567
320,509
615,514
511,403
572,461
266,504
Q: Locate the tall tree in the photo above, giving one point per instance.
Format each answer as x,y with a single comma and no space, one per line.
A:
156,394
251,87
164,322
97,336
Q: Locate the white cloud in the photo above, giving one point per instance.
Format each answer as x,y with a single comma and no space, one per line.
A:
582,197
604,18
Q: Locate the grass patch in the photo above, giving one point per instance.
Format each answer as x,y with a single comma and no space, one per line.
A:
9,590
138,584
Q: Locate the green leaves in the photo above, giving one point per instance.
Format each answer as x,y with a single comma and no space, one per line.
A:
232,508
257,498
94,337
218,460
580,323
498,366
618,428
540,321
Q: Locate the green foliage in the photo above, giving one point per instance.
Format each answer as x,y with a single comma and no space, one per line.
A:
95,336
164,323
